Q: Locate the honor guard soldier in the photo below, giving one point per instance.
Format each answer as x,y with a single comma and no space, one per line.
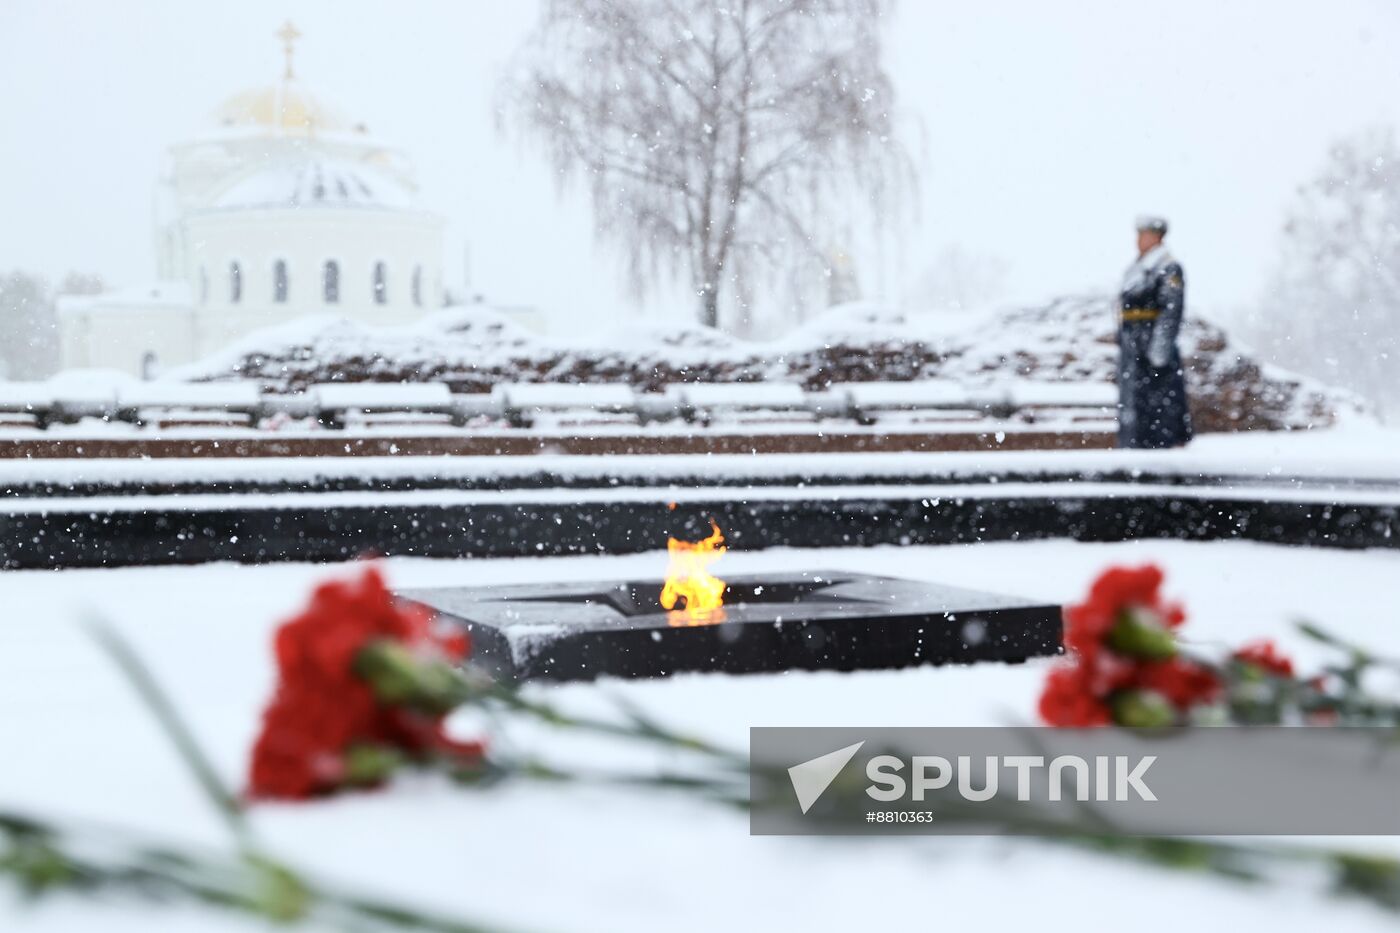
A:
1152,403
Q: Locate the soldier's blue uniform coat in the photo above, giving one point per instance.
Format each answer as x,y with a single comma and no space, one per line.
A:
1152,403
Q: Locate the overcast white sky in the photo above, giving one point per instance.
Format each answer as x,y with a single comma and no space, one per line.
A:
1048,126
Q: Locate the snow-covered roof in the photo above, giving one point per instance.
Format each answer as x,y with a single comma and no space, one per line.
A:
315,182
83,387
164,296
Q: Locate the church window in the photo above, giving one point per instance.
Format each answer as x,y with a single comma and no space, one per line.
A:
279,281
418,286
330,282
381,284
235,283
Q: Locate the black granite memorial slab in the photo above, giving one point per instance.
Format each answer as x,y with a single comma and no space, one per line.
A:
772,622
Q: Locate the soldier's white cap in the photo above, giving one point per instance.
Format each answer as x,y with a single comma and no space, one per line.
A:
1152,223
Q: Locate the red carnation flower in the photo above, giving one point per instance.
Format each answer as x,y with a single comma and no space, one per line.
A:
1117,591
1068,701
321,709
1121,645
1265,655
1182,683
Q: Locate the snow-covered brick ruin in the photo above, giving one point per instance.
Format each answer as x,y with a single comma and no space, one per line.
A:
1068,342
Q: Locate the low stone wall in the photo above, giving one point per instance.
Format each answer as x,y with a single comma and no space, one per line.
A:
139,530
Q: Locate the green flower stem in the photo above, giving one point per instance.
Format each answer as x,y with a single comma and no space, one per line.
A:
149,690
400,677
252,884
1358,654
637,726
1351,704
730,789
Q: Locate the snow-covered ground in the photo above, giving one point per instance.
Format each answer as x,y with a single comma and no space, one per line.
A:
551,858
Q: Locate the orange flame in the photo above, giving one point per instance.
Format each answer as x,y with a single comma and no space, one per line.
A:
688,580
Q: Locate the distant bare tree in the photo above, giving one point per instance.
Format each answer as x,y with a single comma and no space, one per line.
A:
957,279
28,330
1334,307
82,283
724,140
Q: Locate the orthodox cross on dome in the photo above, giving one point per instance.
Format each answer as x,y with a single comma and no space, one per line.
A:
289,34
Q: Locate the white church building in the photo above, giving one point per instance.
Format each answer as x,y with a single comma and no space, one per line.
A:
283,208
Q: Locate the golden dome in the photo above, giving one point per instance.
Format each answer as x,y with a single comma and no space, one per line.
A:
283,109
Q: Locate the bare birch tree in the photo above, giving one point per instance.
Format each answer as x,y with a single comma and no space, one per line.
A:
726,141
1334,306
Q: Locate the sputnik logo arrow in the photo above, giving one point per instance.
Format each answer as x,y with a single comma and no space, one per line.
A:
811,778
